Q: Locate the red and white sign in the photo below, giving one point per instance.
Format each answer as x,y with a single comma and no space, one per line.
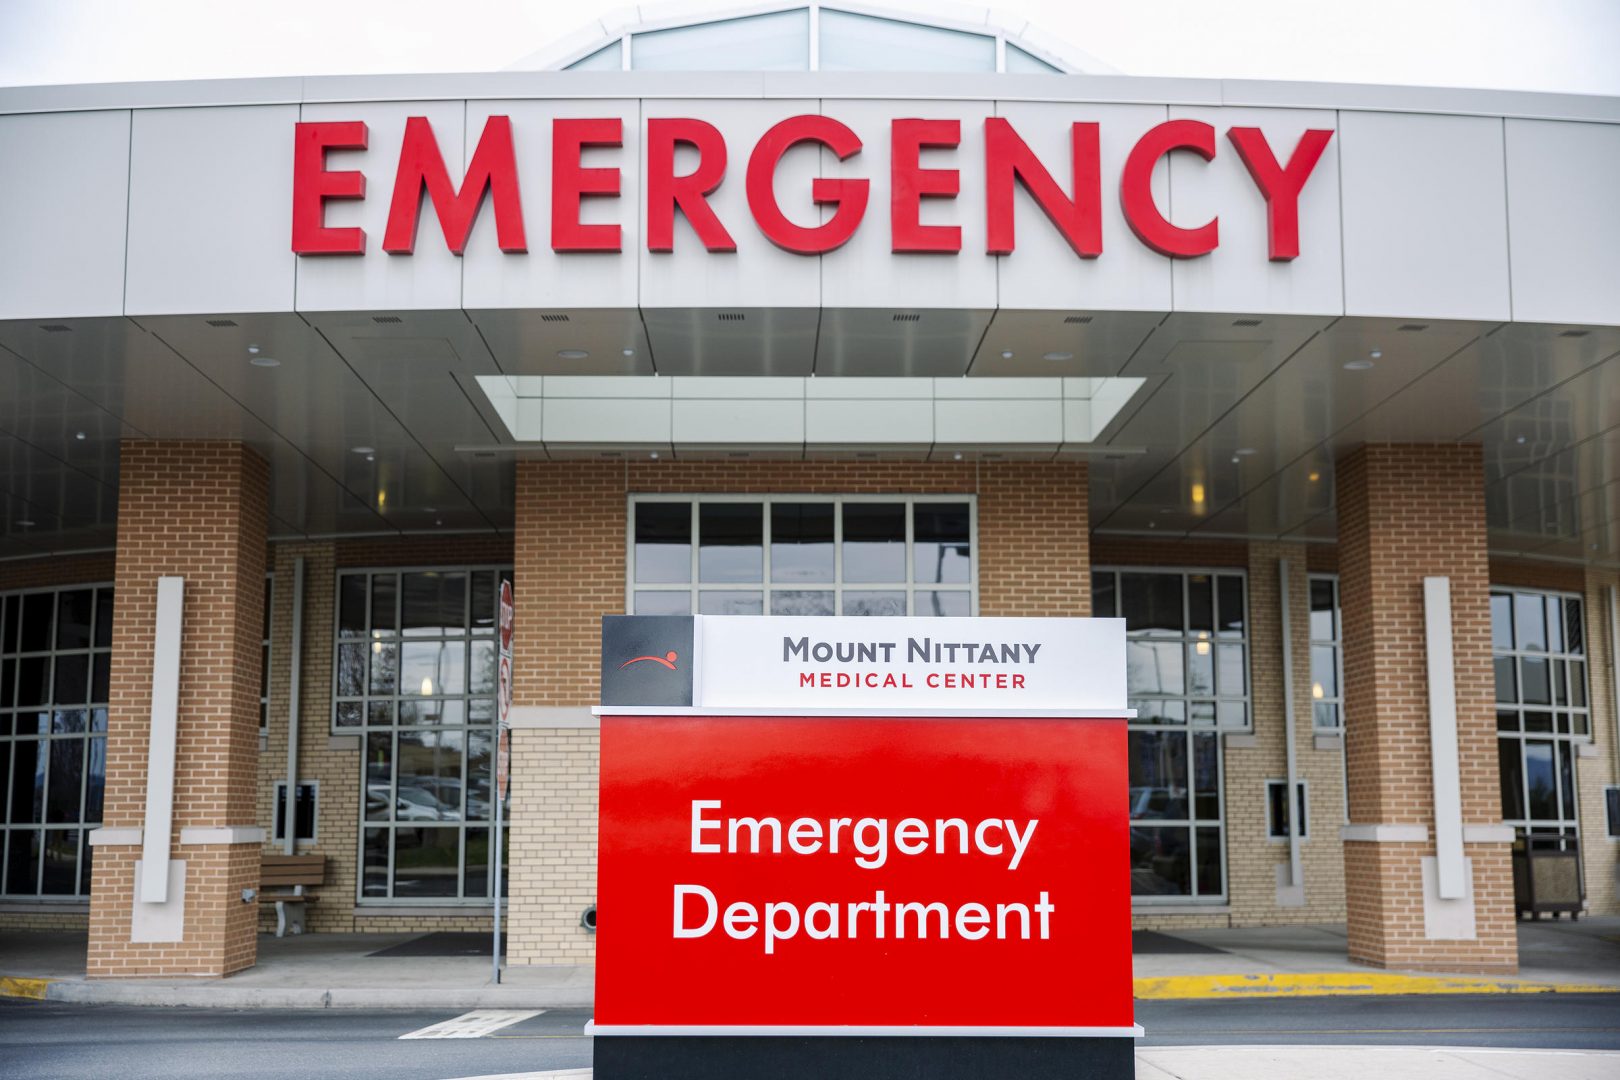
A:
834,875
767,862
1070,193
978,666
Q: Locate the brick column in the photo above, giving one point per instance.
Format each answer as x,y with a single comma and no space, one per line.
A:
1406,513
197,510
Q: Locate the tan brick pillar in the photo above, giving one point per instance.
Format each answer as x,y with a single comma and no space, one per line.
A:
1034,539
1406,513
199,511
568,571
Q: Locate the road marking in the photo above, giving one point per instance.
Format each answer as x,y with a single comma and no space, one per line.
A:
555,1074
473,1025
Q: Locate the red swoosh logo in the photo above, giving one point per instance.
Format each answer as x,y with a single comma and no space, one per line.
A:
668,660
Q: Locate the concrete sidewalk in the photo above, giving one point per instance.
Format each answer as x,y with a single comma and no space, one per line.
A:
319,971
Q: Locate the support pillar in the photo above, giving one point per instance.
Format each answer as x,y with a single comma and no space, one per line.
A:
1426,857
182,733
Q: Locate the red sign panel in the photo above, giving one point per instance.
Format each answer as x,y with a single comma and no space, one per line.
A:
863,872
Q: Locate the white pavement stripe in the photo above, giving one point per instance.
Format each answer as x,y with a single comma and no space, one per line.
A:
473,1025
557,1074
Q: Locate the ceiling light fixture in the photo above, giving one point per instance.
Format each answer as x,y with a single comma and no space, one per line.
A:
1377,354
27,523
363,449
79,435
572,354
653,455
1056,356
253,350
1520,440
1314,477
1006,354
957,456
629,352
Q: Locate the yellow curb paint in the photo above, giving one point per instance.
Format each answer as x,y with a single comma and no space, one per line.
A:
17,987
1343,983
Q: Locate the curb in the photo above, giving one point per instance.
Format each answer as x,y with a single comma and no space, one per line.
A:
17,986
211,994
1342,984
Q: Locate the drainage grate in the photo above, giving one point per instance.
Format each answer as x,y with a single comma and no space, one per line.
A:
554,318
1574,333
56,328
220,324
1245,322
907,316
1413,327
1077,320
731,316
387,320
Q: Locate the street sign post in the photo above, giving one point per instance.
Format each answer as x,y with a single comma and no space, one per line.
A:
503,754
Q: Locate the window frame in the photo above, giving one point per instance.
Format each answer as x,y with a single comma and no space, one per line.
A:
363,730
1192,823
837,586
86,738
1337,645
1564,743
278,808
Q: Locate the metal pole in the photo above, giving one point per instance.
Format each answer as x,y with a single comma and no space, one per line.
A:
1614,674
1296,876
500,822
290,820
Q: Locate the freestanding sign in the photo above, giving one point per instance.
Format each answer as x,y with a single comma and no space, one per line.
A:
863,847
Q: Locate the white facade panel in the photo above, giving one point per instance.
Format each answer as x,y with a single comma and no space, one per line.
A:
865,272
428,279
757,274
1043,271
210,210
64,191
1424,216
1239,275
544,278
1564,221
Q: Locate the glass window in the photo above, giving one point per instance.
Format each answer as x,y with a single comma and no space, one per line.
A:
1020,62
851,42
1539,672
802,555
55,659
1327,655
1187,676
419,686
779,41
609,57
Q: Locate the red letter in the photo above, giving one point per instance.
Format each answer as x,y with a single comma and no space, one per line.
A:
848,195
1008,158
313,185
570,182
666,191
1136,190
909,184
1280,186
493,167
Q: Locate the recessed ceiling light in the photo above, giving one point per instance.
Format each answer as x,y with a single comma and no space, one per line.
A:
1520,440
1058,356
572,354
79,435
1376,354
253,350
1006,354
1357,365
957,456
1314,477
653,455
265,361
629,352
363,449
371,457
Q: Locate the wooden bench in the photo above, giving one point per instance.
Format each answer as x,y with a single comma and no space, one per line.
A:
282,882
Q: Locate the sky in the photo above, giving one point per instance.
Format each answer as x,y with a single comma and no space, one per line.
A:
1555,45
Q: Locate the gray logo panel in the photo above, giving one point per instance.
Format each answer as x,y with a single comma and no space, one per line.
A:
647,660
